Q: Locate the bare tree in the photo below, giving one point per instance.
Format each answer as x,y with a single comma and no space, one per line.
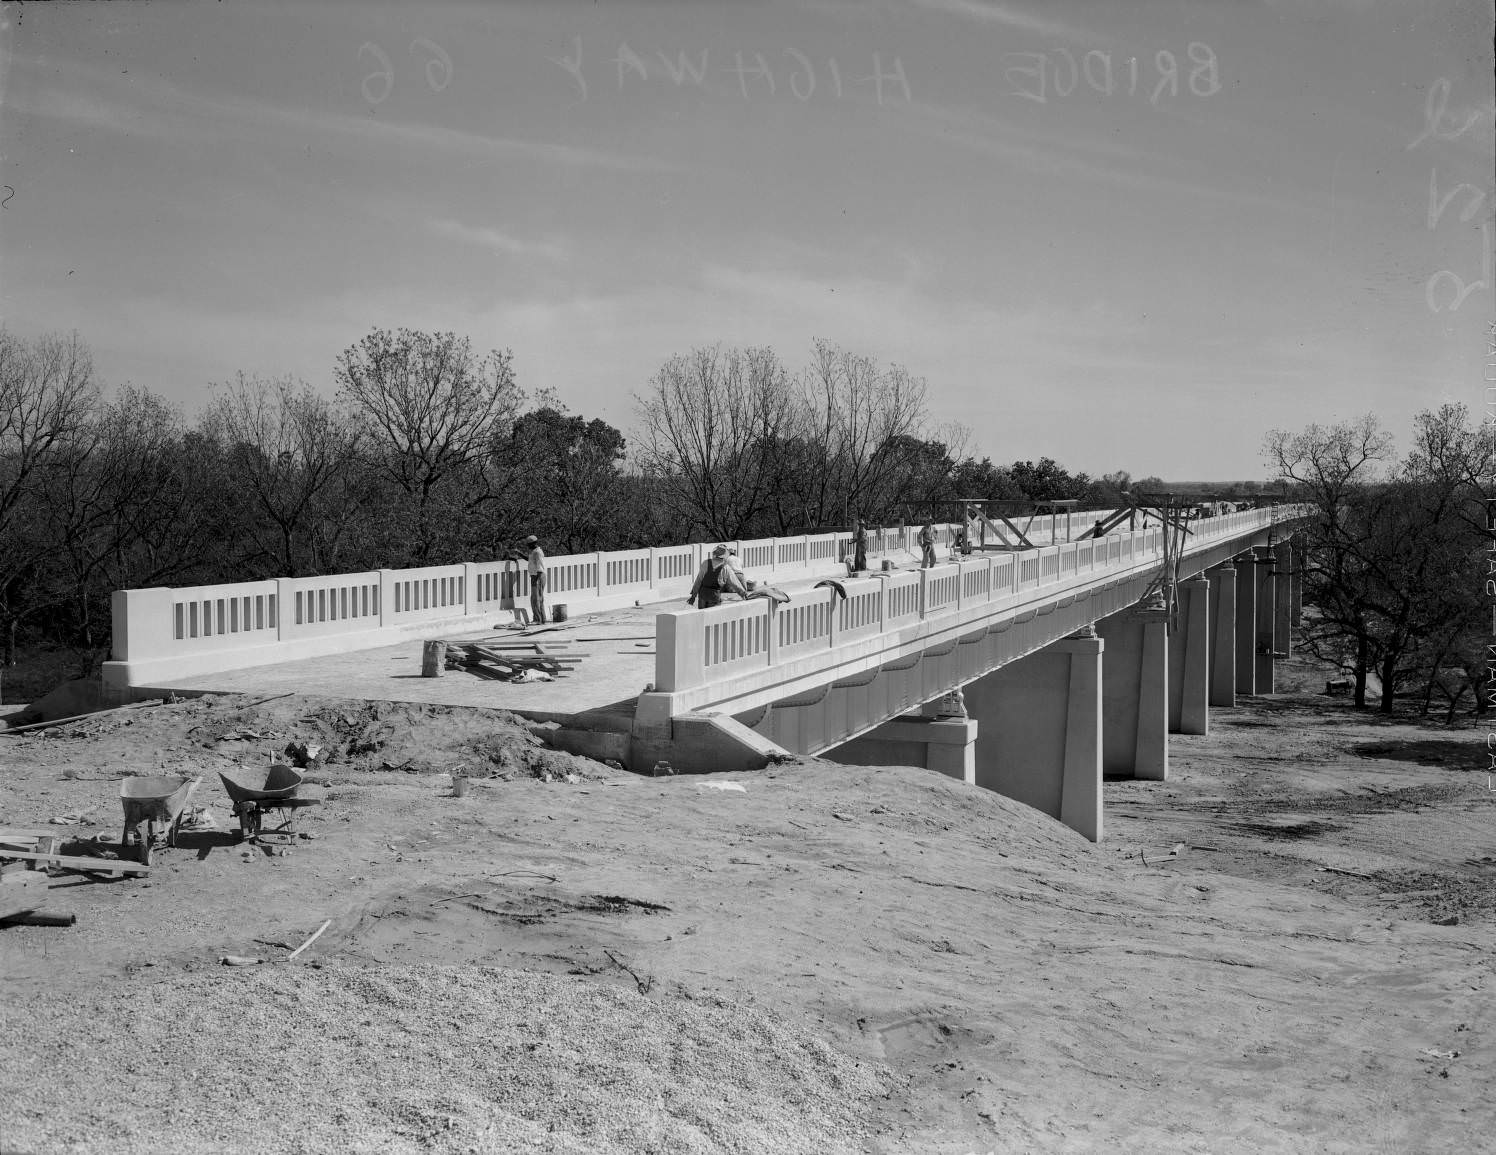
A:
1330,466
1393,559
709,427
853,408
290,451
434,406
47,396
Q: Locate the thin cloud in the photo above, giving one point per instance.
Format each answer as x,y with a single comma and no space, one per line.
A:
152,106
1009,16
1091,161
496,240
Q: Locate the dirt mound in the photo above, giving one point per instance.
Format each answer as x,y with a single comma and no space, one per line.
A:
449,1059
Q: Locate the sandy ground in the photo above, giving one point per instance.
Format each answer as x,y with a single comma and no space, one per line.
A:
829,958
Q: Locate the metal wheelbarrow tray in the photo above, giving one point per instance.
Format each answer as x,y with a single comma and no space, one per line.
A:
255,790
158,802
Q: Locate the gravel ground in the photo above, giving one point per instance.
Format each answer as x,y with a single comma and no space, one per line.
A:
396,1059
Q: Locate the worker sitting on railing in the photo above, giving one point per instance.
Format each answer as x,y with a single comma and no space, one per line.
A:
716,576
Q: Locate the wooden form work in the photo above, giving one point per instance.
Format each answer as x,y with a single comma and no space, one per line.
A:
505,660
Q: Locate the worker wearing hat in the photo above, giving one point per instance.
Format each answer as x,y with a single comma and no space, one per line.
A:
537,578
716,576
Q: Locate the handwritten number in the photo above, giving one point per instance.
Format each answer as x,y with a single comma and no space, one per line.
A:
439,65
10,192
386,72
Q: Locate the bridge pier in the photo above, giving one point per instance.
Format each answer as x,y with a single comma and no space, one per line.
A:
1135,694
1267,618
1042,731
1189,659
1283,596
946,745
1246,623
1222,635
1296,589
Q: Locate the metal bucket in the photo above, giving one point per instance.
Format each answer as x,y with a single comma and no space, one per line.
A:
558,613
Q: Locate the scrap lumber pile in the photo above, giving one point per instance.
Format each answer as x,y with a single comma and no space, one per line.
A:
511,661
26,858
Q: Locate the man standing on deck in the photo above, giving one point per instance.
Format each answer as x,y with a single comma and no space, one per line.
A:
537,579
927,546
859,548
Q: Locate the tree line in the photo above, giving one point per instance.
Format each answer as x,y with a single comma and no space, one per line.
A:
428,451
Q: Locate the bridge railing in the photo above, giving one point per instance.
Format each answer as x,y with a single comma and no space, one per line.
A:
700,647
164,632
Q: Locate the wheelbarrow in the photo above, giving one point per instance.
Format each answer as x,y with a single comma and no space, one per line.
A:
158,802
256,790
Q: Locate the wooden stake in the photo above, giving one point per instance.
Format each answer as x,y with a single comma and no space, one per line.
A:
315,936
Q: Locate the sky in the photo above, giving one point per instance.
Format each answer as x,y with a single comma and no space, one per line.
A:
1125,234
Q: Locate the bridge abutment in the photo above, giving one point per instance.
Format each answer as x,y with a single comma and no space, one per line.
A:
1135,694
1042,731
1222,635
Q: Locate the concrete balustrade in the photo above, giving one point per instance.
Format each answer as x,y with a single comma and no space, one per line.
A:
916,600
168,633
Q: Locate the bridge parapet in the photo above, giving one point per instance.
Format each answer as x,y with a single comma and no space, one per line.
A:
162,633
705,657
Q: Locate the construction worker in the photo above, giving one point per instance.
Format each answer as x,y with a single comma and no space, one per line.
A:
536,565
859,548
716,576
927,546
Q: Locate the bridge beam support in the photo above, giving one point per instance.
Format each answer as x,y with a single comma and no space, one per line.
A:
1267,618
1041,732
1135,694
944,744
1222,635
1246,624
1189,659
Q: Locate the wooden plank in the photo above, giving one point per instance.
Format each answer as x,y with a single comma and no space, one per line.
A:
71,862
45,832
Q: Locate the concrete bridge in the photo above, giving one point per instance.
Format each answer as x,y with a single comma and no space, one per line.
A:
1032,673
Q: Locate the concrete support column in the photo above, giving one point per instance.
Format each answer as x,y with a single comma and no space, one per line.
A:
1283,592
947,745
1296,587
1246,624
1135,694
1222,635
1267,614
1042,732
1189,659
